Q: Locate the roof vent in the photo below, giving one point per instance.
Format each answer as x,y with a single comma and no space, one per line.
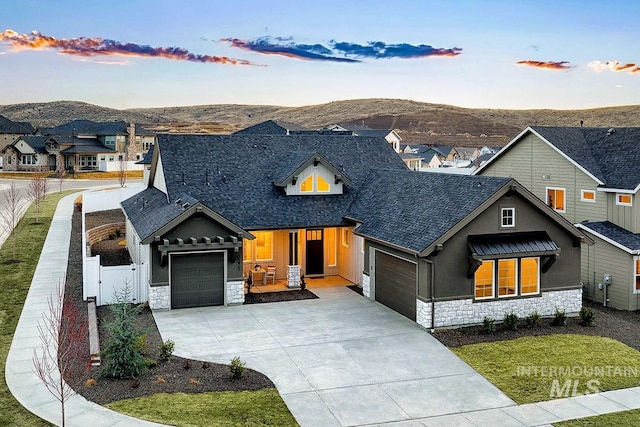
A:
186,205
610,131
179,202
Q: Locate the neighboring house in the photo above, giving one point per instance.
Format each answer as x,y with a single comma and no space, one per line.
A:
591,177
447,154
431,160
10,130
88,145
481,160
31,153
457,246
466,153
413,161
489,150
390,135
271,127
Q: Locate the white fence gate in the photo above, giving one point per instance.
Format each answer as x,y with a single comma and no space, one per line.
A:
109,282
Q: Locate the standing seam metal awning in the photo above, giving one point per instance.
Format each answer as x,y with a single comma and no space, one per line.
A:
491,246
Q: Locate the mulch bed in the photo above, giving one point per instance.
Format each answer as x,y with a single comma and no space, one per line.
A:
262,297
623,326
355,288
198,378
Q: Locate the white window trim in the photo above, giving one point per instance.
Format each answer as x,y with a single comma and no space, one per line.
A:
493,282
344,237
564,191
582,199
513,217
497,278
619,203
537,292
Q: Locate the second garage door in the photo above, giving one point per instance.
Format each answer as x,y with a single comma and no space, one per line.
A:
197,280
395,284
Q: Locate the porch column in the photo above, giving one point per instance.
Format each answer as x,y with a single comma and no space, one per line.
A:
293,276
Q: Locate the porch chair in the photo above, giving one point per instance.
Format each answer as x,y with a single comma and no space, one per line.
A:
271,274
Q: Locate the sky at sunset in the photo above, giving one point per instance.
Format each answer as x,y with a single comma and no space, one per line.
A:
489,54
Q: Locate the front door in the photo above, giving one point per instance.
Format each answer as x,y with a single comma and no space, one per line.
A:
315,252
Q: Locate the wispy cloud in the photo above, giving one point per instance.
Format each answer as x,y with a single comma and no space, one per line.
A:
615,66
547,65
339,51
86,47
286,48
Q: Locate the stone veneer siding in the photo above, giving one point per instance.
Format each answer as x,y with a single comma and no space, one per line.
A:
160,297
235,292
366,285
293,276
466,312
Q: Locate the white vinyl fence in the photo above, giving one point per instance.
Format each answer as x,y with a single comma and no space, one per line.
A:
102,282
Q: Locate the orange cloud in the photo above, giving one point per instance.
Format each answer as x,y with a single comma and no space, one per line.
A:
84,46
615,66
547,65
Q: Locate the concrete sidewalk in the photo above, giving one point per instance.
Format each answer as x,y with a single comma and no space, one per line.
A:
310,393
21,380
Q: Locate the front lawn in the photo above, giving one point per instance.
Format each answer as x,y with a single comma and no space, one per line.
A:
538,368
618,419
245,408
15,280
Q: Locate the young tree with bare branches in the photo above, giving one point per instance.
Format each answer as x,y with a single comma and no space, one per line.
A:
61,330
11,205
122,169
37,191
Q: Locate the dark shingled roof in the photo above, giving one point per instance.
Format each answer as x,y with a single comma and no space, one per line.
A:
148,156
151,210
441,201
242,169
271,127
88,127
83,145
9,126
610,154
615,233
35,142
382,133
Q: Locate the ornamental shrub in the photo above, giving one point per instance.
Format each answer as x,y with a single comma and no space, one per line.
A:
511,321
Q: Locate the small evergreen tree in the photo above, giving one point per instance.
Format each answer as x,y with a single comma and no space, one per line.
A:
124,356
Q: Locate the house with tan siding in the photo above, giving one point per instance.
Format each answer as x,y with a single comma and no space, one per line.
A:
590,176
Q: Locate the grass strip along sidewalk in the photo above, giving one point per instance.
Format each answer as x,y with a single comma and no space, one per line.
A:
15,280
535,369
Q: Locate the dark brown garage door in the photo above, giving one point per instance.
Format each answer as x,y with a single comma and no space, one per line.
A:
197,280
395,284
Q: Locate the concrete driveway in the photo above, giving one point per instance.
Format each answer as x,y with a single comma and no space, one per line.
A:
338,360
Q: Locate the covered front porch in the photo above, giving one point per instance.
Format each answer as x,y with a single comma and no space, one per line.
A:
333,254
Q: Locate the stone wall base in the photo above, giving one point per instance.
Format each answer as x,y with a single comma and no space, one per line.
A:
235,292
366,285
159,297
466,312
293,276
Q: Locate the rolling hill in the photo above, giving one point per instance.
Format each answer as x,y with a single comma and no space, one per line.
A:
416,122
